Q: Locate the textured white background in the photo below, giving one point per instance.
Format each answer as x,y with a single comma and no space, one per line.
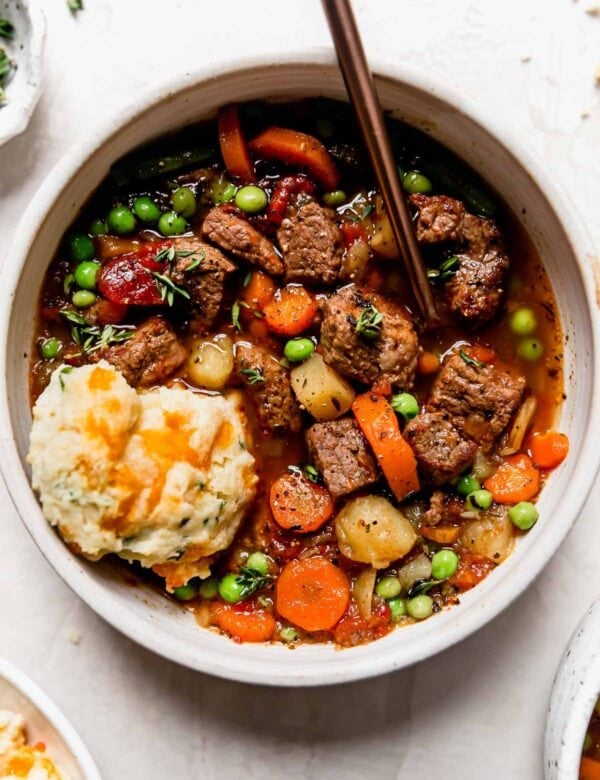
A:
476,711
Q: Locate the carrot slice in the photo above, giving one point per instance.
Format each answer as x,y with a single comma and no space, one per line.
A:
549,449
233,145
589,769
299,150
259,291
291,312
516,480
481,352
312,593
442,534
379,424
298,504
428,363
243,626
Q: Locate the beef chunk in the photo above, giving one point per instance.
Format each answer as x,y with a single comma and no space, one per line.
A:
478,400
341,454
441,450
268,383
475,291
311,244
206,280
237,236
149,357
391,355
435,513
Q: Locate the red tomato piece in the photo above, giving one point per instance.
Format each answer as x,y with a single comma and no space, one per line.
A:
128,280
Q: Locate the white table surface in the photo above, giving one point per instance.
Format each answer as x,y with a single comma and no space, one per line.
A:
477,711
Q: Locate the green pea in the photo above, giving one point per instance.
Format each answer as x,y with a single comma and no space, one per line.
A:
420,607
523,321
146,210
530,349
49,348
230,588
414,182
325,128
121,220
86,274
83,298
406,405
171,224
443,564
388,587
467,484
480,499
259,562
222,191
397,609
288,634
208,588
335,198
251,199
524,515
297,350
184,202
98,227
81,247
185,592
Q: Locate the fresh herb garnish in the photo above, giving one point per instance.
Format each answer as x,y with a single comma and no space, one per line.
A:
469,360
7,29
422,586
369,322
168,289
254,375
92,337
195,262
247,278
446,270
75,5
5,68
168,254
251,580
357,217
311,473
235,316
68,283
64,370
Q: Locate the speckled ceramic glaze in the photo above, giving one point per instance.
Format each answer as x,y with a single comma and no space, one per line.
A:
142,613
574,694
45,723
26,50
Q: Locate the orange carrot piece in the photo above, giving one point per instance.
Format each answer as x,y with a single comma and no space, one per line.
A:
298,504
472,568
299,150
516,480
379,424
589,769
259,291
291,311
312,593
481,352
442,534
428,363
233,145
548,450
243,626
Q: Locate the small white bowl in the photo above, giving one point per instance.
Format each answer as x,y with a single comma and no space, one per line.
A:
575,692
26,49
45,723
141,613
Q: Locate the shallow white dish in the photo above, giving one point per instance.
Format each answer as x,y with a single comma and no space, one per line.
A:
575,692
143,614
45,723
26,49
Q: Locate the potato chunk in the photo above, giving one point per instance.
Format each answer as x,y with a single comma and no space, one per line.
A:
371,530
321,390
211,361
490,534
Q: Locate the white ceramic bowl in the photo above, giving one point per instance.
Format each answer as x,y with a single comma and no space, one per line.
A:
26,49
45,723
141,613
575,692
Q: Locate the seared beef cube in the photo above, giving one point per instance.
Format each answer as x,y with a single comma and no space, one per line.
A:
311,244
391,355
341,454
203,275
439,218
435,513
148,358
237,236
441,450
268,383
479,400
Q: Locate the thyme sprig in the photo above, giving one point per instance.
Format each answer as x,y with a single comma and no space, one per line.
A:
369,322
92,337
7,29
254,375
470,361
168,289
251,580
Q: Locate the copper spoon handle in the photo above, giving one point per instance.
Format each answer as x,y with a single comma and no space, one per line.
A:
361,89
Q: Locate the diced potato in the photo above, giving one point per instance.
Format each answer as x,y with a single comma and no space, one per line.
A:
356,261
211,361
490,534
371,530
321,390
113,246
382,239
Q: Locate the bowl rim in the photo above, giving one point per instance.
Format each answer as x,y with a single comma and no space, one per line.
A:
20,489
41,701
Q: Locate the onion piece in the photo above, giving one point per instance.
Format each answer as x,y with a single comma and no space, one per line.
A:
483,466
419,568
362,591
519,427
